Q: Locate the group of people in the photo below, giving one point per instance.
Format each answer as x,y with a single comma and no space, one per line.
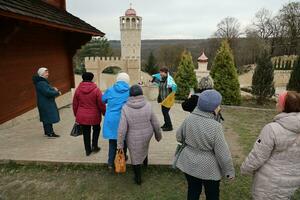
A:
205,158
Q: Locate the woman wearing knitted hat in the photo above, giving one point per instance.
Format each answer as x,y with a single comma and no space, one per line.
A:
47,107
138,122
274,160
88,109
114,98
205,158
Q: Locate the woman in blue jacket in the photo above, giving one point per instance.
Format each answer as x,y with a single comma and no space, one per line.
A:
46,101
114,98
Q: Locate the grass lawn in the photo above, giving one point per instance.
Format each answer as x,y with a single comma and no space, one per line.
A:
160,183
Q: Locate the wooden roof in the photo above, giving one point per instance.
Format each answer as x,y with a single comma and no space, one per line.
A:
38,11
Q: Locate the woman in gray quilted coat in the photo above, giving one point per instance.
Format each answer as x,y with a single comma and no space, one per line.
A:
275,158
206,157
137,125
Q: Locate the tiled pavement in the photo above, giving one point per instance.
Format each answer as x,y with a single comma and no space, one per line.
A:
26,142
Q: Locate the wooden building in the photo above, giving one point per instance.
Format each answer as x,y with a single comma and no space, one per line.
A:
33,34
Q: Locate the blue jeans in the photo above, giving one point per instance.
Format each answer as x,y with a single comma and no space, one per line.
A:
48,128
112,151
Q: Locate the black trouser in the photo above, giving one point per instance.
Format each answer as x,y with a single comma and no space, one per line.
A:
48,128
137,169
195,188
87,136
167,119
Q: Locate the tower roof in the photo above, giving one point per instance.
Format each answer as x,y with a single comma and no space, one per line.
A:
130,11
202,57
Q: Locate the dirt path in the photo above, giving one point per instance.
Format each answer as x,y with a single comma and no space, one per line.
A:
232,139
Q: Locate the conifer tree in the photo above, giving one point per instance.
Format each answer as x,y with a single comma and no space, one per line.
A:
185,77
225,76
294,82
263,78
151,66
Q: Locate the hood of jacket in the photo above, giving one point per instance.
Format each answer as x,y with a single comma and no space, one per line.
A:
290,121
121,86
36,78
136,102
87,87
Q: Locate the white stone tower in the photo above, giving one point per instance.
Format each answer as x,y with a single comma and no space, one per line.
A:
131,27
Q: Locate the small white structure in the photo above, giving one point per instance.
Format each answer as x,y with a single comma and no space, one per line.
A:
202,67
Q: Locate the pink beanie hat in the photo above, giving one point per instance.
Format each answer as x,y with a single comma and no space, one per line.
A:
281,99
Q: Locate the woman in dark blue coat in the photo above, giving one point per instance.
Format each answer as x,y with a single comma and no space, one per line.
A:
46,101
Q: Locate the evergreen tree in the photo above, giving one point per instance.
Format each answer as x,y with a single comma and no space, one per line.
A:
225,75
151,66
97,47
294,82
185,77
263,78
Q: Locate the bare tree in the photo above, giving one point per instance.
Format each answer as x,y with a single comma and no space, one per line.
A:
289,17
228,28
262,24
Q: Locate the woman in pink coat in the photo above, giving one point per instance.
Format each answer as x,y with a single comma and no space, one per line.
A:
275,158
88,108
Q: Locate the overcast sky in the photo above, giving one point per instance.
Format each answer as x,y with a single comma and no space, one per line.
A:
169,19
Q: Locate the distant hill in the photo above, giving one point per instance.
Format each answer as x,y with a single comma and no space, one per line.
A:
154,45
245,50
195,46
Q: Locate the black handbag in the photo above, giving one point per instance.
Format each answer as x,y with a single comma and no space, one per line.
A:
76,130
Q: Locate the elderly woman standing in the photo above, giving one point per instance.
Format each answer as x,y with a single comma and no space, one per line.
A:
47,107
114,97
138,122
206,158
275,158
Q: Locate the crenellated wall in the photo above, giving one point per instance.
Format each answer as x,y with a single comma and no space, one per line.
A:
96,65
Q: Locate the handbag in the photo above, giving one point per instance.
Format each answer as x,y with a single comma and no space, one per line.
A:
76,130
120,162
179,149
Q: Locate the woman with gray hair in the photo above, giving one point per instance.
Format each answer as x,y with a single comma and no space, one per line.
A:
47,107
205,83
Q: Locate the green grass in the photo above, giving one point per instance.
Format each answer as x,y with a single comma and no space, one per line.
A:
269,104
88,182
159,183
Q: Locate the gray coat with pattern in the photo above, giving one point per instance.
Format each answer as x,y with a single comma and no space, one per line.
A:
206,155
275,159
137,125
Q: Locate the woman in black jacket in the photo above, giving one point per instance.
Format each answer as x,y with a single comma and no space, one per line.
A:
205,83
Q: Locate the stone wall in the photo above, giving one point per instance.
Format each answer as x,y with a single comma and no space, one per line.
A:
281,78
128,65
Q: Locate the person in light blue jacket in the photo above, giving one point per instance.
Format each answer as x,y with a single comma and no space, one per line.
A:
114,98
166,86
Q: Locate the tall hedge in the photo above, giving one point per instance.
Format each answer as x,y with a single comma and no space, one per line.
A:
225,76
294,82
263,78
185,77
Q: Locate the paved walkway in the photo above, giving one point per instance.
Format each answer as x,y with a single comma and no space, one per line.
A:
25,142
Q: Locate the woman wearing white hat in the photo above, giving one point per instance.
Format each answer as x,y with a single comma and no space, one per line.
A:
46,101
114,98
